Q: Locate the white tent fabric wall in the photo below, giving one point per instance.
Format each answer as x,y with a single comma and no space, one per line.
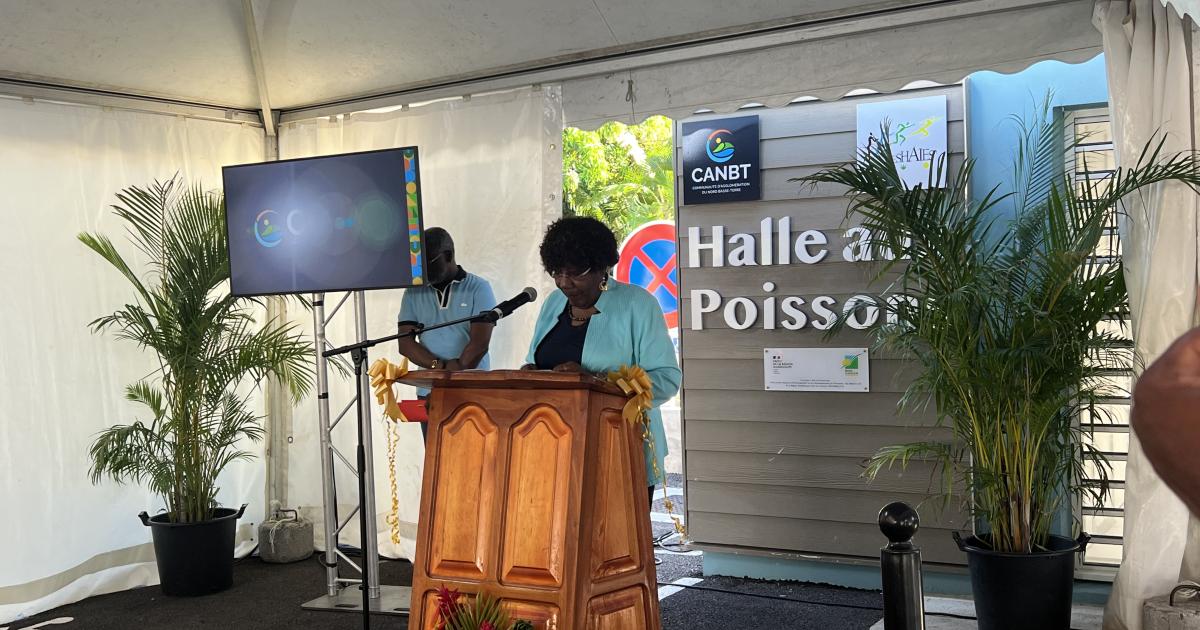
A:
491,174
60,166
1151,73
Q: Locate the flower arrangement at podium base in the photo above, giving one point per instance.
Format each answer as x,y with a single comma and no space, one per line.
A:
456,612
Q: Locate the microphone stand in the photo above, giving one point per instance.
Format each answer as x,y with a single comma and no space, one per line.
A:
358,354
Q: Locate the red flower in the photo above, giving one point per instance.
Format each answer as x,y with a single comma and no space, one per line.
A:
447,605
487,625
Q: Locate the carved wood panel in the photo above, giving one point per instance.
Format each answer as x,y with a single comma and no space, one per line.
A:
535,515
614,543
462,517
620,610
528,476
542,616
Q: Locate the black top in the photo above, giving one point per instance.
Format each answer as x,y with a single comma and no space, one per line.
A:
563,344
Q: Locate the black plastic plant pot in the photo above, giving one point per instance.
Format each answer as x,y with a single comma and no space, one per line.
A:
194,558
1029,591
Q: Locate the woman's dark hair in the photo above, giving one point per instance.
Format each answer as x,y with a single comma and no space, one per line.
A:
578,242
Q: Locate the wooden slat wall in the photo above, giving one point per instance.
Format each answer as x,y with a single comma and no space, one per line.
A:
782,471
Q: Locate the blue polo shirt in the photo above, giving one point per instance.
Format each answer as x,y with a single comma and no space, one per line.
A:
466,295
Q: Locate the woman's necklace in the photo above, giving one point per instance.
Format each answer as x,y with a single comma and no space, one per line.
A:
577,319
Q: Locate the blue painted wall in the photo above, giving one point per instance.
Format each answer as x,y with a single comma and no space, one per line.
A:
994,98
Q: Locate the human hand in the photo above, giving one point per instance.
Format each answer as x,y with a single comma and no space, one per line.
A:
453,365
1166,416
528,367
569,366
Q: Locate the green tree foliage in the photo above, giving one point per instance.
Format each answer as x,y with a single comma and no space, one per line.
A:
620,174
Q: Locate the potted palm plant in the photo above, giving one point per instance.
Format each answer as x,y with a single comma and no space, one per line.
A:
1004,328
211,354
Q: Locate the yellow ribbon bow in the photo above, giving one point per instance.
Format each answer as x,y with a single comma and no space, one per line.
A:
635,383
384,374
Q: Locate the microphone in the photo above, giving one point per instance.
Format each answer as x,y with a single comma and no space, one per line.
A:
505,308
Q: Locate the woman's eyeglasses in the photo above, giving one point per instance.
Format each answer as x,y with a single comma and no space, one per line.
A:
561,274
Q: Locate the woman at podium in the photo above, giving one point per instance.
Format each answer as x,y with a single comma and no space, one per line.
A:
595,324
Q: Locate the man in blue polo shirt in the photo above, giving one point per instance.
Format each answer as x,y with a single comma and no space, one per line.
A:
451,294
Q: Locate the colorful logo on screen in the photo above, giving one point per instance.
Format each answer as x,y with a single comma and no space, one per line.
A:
412,198
718,147
267,230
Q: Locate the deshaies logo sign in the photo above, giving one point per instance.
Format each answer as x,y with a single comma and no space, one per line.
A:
720,160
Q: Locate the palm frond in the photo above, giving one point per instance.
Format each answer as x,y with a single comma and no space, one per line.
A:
208,345
1003,323
144,212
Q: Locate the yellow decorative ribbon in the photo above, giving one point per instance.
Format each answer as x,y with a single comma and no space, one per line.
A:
636,384
393,517
384,375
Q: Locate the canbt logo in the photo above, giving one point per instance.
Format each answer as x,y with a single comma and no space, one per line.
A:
269,226
267,230
718,148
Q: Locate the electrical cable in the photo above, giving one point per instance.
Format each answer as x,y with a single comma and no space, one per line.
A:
660,543
772,597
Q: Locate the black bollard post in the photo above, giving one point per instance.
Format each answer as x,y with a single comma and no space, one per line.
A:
900,562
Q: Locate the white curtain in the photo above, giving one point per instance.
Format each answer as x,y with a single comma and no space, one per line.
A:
60,166
491,174
1150,76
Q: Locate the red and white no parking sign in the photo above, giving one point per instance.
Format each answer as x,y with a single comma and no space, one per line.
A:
648,260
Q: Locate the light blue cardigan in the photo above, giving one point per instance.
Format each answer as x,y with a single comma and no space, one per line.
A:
628,330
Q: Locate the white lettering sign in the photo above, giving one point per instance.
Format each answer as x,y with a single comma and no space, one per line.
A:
776,244
727,173
791,312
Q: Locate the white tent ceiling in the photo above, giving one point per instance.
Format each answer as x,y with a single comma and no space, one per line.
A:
310,58
319,51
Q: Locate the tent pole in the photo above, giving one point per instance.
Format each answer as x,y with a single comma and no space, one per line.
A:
260,73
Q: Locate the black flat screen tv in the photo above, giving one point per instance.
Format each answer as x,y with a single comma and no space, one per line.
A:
332,223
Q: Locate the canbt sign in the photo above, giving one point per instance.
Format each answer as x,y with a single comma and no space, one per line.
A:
721,160
775,244
728,173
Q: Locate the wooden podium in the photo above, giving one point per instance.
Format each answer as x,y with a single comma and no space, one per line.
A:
534,492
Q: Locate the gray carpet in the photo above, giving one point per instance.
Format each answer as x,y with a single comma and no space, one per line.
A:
268,597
